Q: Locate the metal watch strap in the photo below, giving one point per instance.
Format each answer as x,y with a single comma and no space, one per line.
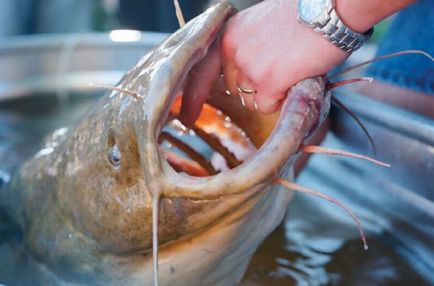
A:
340,35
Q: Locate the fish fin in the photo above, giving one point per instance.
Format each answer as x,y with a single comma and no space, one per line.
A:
292,186
311,149
179,14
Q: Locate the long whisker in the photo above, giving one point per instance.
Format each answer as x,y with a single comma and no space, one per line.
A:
126,91
298,188
179,14
311,149
388,56
155,219
338,103
333,85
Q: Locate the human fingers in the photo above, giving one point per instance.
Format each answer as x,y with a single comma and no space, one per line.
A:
199,85
268,104
229,67
237,83
269,96
246,91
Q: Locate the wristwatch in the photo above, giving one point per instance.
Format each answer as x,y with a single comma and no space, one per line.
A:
322,17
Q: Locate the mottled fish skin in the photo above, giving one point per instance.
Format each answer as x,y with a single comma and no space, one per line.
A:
86,219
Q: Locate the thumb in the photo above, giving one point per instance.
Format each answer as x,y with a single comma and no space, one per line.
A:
199,84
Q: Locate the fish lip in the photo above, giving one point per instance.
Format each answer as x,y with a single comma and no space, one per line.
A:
301,111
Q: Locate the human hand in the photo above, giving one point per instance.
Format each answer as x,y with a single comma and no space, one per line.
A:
264,49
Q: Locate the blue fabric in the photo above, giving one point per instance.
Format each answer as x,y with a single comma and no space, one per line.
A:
413,28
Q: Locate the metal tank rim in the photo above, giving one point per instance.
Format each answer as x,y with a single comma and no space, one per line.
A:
56,62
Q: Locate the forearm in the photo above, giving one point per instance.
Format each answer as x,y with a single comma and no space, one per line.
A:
360,15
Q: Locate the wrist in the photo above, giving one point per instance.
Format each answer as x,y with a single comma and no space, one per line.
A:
306,32
323,18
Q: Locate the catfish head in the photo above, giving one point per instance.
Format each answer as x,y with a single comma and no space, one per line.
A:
86,202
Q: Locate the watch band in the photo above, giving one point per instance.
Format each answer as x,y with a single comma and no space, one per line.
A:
340,35
327,22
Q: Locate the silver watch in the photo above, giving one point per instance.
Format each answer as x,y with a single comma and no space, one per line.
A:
322,17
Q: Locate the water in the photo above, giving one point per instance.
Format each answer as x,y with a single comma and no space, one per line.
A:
316,245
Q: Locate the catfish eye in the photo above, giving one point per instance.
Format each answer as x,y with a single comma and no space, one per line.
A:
114,156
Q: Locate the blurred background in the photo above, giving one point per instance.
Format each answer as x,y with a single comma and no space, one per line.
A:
19,17
23,17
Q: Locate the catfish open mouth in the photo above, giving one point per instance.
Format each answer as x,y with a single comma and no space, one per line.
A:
224,136
228,140
225,133
189,173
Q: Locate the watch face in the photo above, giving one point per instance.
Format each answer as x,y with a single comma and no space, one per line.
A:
309,10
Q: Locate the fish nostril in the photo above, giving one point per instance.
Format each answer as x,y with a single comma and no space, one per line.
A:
114,156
